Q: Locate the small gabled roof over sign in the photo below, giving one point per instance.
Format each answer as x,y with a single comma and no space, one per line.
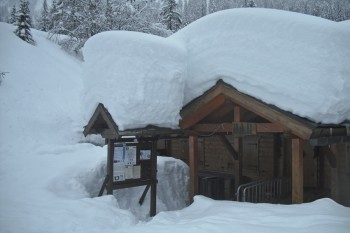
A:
102,123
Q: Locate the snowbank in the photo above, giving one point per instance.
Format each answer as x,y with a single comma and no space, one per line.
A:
138,77
172,189
207,215
297,62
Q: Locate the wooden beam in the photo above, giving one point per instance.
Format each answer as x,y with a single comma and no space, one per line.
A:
229,147
261,109
108,134
297,171
200,101
202,112
328,153
110,161
153,204
326,141
237,144
193,161
227,128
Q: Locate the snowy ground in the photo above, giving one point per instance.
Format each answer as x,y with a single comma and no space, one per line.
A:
48,176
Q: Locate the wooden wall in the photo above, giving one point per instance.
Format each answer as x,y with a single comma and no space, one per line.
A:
269,155
340,175
258,158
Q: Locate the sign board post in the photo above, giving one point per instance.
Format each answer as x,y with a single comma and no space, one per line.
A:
132,164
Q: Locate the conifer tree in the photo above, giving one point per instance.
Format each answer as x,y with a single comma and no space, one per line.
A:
170,17
23,23
44,18
55,15
12,18
249,3
109,16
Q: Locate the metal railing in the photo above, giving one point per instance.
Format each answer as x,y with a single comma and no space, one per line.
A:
268,191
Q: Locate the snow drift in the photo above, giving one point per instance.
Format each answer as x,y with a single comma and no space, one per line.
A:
297,62
49,179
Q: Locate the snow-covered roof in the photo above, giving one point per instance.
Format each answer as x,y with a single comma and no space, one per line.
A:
138,77
297,62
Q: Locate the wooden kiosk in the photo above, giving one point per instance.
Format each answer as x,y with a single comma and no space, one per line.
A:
131,157
231,116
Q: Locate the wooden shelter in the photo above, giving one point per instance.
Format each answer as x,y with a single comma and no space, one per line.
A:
223,111
137,171
260,139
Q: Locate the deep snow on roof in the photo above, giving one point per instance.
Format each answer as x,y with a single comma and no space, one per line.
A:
297,62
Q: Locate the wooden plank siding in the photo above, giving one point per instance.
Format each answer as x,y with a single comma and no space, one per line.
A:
340,182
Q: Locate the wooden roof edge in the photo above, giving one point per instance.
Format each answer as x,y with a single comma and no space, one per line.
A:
101,110
152,131
202,111
202,99
331,130
300,127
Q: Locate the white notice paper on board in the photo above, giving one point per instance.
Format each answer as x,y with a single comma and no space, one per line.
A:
137,172
130,155
129,172
119,171
119,153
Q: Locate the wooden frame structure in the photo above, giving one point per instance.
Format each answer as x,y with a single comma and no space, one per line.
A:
218,111
102,123
222,106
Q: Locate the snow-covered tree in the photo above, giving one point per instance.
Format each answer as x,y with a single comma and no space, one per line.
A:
44,20
249,3
170,16
23,23
108,15
55,18
13,18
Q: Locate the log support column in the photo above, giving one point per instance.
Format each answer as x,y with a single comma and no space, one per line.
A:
193,161
297,171
110,166
237,144
153,204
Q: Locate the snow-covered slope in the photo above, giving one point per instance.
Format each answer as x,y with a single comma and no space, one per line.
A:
297,62
43,86
47,176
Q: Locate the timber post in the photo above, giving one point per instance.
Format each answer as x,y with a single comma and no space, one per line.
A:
193,161
297,171
237,144
110,154
153,207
